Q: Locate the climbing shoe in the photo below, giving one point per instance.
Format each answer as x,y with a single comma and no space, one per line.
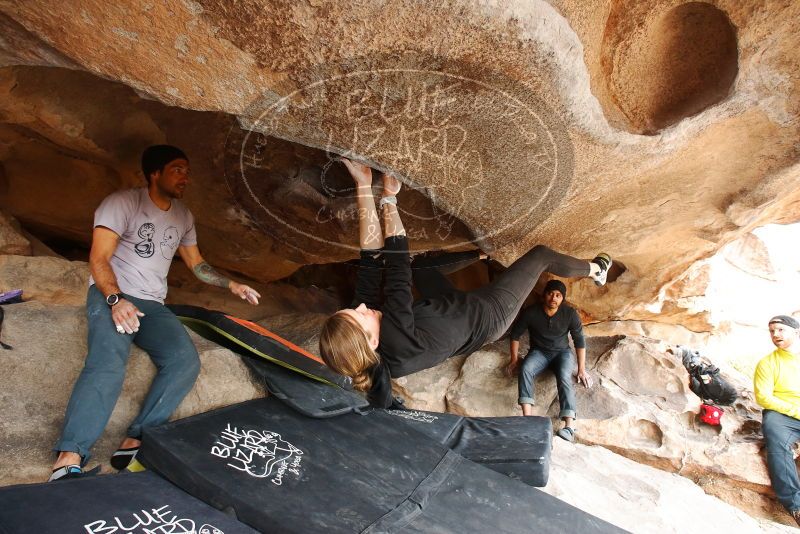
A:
567,433
71,471
603,261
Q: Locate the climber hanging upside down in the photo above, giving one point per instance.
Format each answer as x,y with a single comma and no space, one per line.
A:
391,335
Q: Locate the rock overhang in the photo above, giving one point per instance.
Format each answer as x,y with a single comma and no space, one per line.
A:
657,202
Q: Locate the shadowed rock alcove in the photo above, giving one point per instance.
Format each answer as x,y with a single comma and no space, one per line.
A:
681,63
62,154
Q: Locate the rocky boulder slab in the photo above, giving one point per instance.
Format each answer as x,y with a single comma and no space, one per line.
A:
46,278
640,498
49,347
524,122
640,407
11,239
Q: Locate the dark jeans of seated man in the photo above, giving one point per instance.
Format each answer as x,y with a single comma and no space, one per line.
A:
563,365
97,389
781,432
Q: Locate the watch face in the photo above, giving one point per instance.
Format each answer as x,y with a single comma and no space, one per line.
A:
112,299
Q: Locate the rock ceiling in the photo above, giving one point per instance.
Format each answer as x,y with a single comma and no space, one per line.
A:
655,130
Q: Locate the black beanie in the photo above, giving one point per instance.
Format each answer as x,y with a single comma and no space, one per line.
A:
791,322
556,285
156,157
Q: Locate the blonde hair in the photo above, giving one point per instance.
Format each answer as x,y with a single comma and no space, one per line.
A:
344,348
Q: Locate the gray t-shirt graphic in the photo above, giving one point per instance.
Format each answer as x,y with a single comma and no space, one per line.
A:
149,238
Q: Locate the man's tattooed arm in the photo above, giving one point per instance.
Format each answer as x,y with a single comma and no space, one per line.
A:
206,273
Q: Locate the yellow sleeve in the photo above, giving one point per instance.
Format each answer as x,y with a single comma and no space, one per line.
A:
764,385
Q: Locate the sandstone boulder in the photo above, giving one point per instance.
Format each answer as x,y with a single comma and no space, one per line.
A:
11,239
46,278
666,332
514,123
644,410
300,328
640,498
296,206
53,279
655,130
49,347
427,388
751,255
276,297
640,407
727,299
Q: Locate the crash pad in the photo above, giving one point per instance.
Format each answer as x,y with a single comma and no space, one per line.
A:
280,471
129,503
243,335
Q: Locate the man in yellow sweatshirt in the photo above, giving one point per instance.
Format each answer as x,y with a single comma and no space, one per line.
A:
777,387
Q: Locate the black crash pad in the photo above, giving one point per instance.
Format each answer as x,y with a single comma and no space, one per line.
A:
130,503
282,472
309,397
518,447
243,335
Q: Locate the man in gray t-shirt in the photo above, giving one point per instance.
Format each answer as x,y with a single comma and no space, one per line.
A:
136,234
148,238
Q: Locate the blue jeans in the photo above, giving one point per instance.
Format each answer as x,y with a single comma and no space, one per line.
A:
97,389
780,433
563,365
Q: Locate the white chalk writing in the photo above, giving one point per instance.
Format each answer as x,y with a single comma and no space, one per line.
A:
414,415
442,134
154,521
259,453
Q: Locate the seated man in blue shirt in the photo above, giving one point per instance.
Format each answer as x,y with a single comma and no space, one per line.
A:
548,324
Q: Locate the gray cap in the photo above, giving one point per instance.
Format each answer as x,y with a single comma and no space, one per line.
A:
791,322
